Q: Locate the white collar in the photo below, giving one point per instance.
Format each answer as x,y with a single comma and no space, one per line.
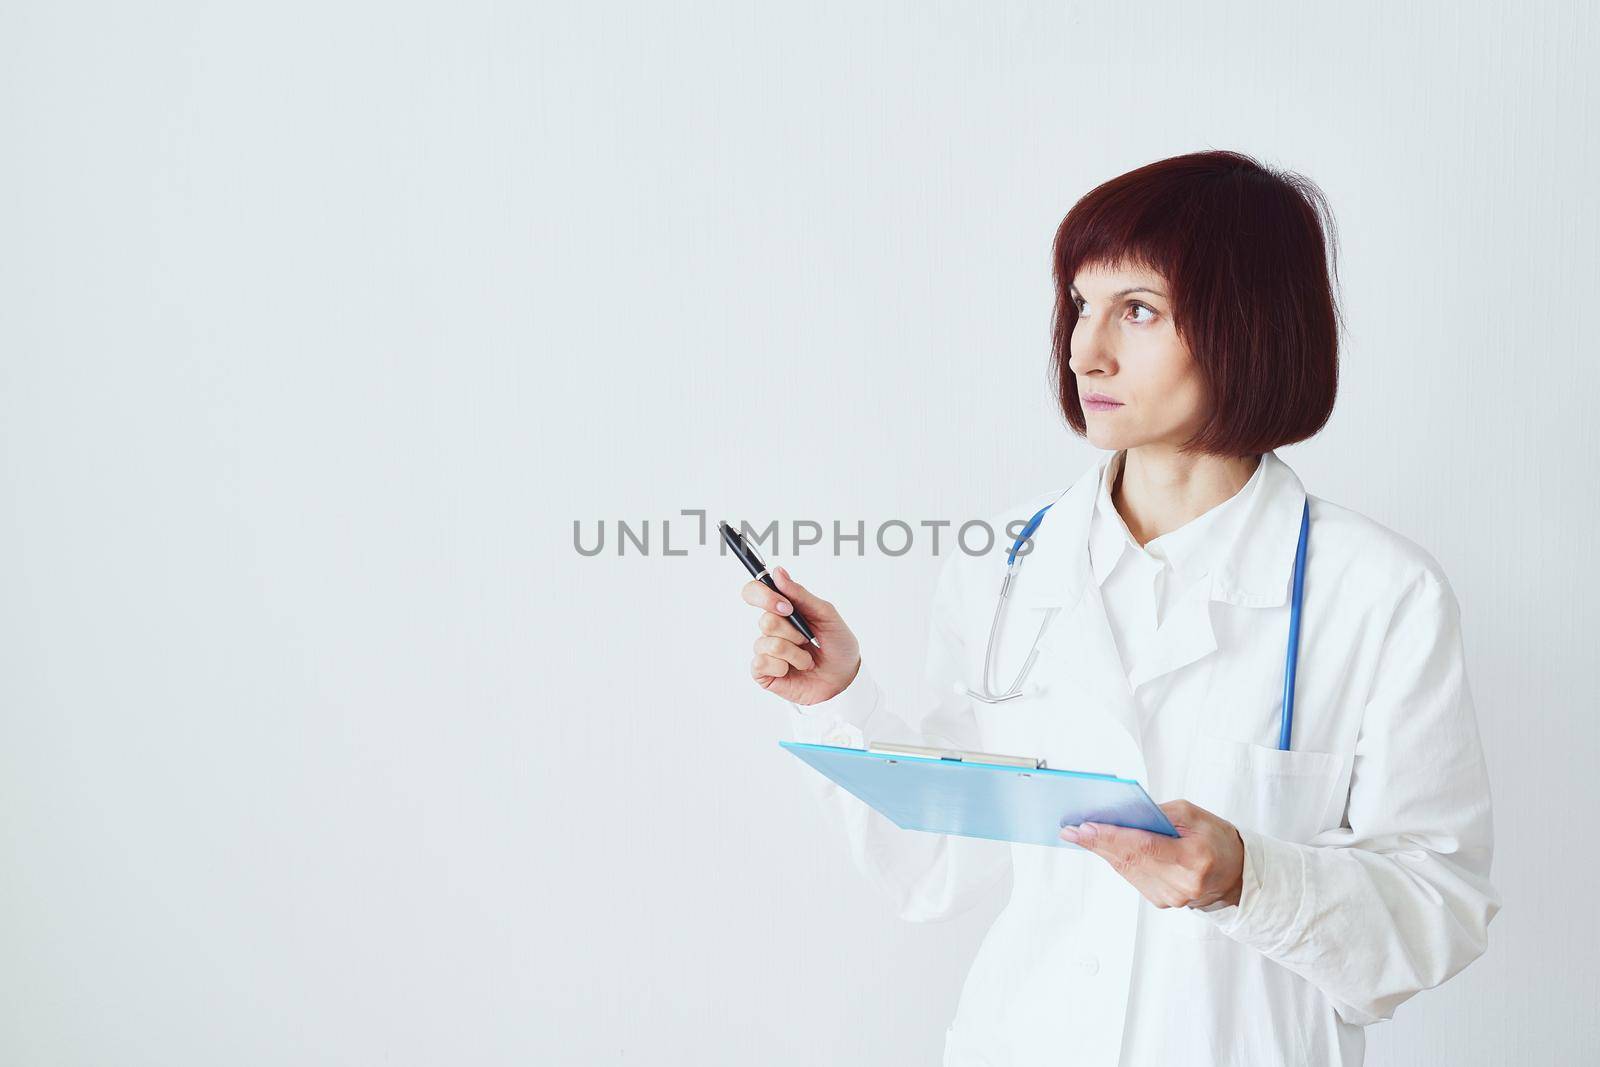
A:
1191,550
1251,570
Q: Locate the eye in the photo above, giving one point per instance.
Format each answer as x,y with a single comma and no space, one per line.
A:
1133,305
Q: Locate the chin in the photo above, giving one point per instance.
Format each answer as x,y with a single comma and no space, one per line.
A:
1115,440
1104,439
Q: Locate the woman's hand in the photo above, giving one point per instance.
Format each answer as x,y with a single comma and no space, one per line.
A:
1203,865
786,663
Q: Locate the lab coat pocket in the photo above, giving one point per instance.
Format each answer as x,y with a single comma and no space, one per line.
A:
1286,794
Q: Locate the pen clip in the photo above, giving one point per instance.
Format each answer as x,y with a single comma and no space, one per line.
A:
741,548
731,538
755,560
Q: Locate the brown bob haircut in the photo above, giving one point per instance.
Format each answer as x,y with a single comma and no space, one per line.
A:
1246,259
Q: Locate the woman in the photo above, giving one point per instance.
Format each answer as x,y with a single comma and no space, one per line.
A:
1311,889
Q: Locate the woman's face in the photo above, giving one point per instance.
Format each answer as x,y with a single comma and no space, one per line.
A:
1124,346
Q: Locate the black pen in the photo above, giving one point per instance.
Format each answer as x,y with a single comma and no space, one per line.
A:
758,571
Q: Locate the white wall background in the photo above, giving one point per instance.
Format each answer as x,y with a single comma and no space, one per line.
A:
321,323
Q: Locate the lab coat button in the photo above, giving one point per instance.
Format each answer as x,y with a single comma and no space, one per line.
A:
1090,964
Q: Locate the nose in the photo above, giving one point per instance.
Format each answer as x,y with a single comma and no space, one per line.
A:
1090,350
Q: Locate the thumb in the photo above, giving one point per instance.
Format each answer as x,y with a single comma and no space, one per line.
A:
1095,837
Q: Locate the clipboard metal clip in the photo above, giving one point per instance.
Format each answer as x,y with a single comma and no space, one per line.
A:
953,755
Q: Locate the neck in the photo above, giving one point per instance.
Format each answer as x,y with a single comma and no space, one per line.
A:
1159,489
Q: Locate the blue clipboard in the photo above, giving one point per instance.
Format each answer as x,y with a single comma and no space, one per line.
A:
1001,803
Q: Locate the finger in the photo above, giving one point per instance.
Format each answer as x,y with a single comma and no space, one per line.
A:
1157,891
787,651
1194,853
1186,818
765,666
757,593
1186,879
811,606
1179,811
780,626
1126,848
1164,896
1162,868
1141,877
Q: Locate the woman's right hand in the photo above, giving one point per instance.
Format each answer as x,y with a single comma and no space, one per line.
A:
786,663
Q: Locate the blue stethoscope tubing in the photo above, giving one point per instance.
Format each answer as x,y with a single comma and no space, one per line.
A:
1291,658
1287,722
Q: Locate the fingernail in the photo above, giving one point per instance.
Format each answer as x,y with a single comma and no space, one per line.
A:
1069,834
783,572
1087,831
784,607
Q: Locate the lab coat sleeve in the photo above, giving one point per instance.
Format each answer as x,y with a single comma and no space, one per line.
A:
926,876
1399,899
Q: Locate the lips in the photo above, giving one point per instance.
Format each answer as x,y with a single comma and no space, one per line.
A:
1101,399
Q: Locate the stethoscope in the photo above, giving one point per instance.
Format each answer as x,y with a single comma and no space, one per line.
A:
1015,689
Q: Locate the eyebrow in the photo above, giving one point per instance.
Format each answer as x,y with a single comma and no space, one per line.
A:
1125,292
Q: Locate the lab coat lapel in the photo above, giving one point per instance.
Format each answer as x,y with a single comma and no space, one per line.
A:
1185,636
1078,647
1253,571
1258,566
1081,646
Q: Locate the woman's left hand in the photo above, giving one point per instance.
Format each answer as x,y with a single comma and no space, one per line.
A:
1202,865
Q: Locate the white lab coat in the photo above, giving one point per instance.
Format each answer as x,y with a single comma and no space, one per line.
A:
1367,844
